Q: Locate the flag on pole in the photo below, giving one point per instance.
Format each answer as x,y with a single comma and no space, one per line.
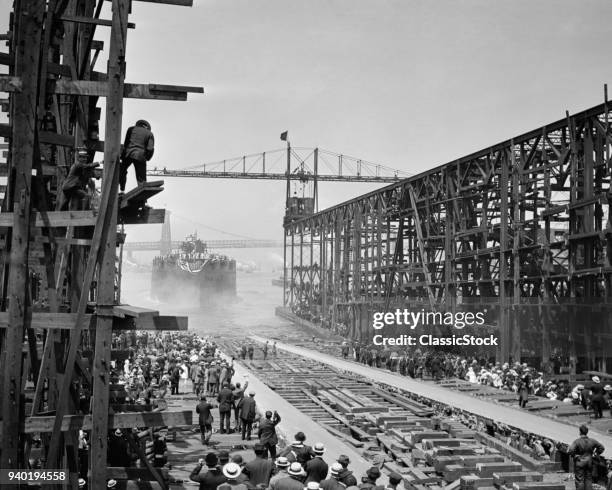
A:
284,135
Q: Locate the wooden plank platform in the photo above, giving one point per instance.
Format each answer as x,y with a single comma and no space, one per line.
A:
142,216
139,195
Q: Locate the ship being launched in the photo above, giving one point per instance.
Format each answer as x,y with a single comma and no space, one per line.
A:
192,271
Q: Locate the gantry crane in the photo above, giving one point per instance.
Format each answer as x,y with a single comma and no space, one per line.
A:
302,165
299,164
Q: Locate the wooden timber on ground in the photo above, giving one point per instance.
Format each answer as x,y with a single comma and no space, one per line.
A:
430,452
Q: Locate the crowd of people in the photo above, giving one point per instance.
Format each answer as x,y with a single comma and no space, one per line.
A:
299,466
154,364
518,377
145,366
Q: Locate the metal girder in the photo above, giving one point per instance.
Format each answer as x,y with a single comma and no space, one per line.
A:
525,220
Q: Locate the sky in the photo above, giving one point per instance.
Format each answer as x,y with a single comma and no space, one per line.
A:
410,84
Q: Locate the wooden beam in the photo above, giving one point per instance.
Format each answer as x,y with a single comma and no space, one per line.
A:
159,323
139,195
63,321
6,130
66,321
83,242
130,90
121,311
181,3
108,252
143,217
81,19
28,38
126,420
52,138
10,84
56,219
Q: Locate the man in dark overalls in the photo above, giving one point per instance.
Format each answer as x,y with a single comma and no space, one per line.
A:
582,449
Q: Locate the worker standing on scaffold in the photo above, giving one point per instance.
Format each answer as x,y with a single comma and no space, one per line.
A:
78,187
138,149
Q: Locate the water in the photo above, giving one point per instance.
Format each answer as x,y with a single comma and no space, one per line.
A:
252,311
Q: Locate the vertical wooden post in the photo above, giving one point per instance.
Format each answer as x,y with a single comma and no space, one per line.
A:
27,62
106,282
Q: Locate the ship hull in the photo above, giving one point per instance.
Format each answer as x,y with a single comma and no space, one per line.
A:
215,281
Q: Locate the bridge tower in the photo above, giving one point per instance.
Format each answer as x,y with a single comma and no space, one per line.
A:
166,236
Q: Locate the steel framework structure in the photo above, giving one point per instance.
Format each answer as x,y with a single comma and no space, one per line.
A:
520,229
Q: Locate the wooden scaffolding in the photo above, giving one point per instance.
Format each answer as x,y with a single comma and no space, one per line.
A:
59,270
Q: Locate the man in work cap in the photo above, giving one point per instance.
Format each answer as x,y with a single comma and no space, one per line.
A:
369,481
138,149
210,478
394,480
346,476
78,180
261,468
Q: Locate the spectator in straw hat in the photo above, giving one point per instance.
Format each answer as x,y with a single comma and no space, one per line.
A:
293,481
119,453
237,458
316,468
232,472
312,485
282,465
597,397
333,482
